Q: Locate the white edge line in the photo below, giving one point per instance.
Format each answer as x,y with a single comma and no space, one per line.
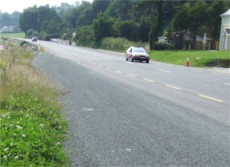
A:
165,71
173,87
210,98
149,80
118,72
131,75
227,84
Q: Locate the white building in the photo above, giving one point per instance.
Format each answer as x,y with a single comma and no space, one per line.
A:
225,31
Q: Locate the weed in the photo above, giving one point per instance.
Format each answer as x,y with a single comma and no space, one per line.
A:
31,127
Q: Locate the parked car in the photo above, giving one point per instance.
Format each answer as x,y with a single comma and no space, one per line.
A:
34,39
137,53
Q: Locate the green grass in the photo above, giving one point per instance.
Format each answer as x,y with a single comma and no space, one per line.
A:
16,35
196,58
32,128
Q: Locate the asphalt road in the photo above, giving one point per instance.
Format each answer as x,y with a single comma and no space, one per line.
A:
136,114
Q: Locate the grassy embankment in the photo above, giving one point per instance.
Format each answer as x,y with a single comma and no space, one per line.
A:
31,127
16,35
196,58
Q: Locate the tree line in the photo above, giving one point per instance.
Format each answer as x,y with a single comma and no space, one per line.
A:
12,19
134,20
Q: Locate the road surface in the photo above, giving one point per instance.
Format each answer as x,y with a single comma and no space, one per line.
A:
137,114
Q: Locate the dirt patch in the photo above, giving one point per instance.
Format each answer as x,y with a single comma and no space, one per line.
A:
225,63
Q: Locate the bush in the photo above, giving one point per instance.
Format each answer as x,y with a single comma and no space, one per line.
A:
118,44
127,29
115,44
85,36
163,46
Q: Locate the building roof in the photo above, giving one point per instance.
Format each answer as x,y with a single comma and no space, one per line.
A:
226,13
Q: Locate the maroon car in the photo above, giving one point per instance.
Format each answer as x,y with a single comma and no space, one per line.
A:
137,53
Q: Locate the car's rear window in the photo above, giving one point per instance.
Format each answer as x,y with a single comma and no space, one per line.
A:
140,50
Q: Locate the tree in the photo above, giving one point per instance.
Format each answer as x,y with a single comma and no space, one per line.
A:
179,26
42,19
190,18
120,9
85,36
214,20
29,19
197,17
103,27
153,9
127,29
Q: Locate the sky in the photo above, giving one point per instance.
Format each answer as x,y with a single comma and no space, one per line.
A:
10,6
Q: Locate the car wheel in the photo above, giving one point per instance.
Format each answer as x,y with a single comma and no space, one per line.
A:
147,61
131,58
126,59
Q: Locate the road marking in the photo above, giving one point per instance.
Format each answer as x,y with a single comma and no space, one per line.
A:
131,75
118,72
170,86
216,74
165,71
128,62
227,84
149,80
210,98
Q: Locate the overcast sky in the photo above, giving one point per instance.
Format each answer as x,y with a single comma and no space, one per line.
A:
10,6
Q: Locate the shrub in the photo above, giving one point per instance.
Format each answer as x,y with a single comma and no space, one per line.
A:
115,44
85,36
163,46
118,44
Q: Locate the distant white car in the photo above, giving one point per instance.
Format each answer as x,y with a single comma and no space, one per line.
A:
34,39
137,53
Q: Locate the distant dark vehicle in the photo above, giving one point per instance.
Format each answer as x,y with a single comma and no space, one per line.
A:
34,39
137,53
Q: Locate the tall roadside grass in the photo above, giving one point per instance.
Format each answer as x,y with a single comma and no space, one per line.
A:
118,44
31,127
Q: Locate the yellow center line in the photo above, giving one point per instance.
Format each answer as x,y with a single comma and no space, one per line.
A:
210,98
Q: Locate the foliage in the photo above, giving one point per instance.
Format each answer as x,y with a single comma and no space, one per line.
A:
115,44
136,20
32,33
85,36
198,17
127,29
32,128
42,19
119,44
12,19
214,22
79,16
103,27
163,46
